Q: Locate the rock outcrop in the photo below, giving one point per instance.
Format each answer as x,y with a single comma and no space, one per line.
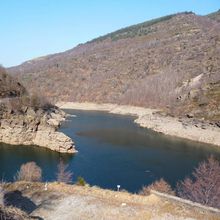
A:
35,127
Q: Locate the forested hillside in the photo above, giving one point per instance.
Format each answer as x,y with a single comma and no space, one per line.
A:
171,62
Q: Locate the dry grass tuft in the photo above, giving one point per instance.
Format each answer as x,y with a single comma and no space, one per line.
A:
11,213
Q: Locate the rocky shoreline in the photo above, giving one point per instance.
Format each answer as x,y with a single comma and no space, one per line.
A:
156,120
35,127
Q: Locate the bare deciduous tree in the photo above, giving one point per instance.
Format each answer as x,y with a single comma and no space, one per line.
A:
160,186
204,186
1,196
29,172
34,101
63,175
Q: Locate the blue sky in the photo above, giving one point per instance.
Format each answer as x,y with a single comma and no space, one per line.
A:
33,28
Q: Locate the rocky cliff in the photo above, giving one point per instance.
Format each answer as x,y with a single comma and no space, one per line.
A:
27,120
35,127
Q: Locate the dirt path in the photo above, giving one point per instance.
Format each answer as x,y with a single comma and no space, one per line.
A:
89,207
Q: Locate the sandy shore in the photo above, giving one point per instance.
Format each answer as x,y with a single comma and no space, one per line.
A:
152,119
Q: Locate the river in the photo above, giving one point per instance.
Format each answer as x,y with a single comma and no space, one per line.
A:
112,151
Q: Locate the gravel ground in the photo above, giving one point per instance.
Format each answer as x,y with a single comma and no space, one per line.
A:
71,202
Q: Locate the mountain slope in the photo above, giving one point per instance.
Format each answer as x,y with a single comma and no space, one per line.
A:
215,16
168,62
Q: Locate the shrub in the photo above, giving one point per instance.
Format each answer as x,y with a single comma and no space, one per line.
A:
29,172
37,101
63,175
160,186
33,101
204,185
15,104
80,181
1,196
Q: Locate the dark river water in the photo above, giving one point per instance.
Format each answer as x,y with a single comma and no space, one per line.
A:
112,150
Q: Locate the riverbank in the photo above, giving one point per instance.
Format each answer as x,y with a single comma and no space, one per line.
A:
156,120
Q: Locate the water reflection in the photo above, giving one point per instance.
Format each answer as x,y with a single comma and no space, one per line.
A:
12,157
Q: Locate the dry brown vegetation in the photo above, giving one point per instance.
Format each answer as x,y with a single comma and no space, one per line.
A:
33,101
29,172
204,186
62,201
8,86
157,66
12,213
14,97
1,196
63,174
160,186
215,16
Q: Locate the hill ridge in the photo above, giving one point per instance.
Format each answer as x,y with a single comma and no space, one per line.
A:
157,69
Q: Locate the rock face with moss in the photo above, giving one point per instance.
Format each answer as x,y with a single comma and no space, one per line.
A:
28,120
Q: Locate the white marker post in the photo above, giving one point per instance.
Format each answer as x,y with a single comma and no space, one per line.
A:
45,186
118,187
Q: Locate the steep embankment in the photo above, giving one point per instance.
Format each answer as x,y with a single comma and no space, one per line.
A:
28,120
171,62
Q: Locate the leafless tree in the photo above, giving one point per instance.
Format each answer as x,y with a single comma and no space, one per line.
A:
29,172
63,175
204,186
1,196
160,186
